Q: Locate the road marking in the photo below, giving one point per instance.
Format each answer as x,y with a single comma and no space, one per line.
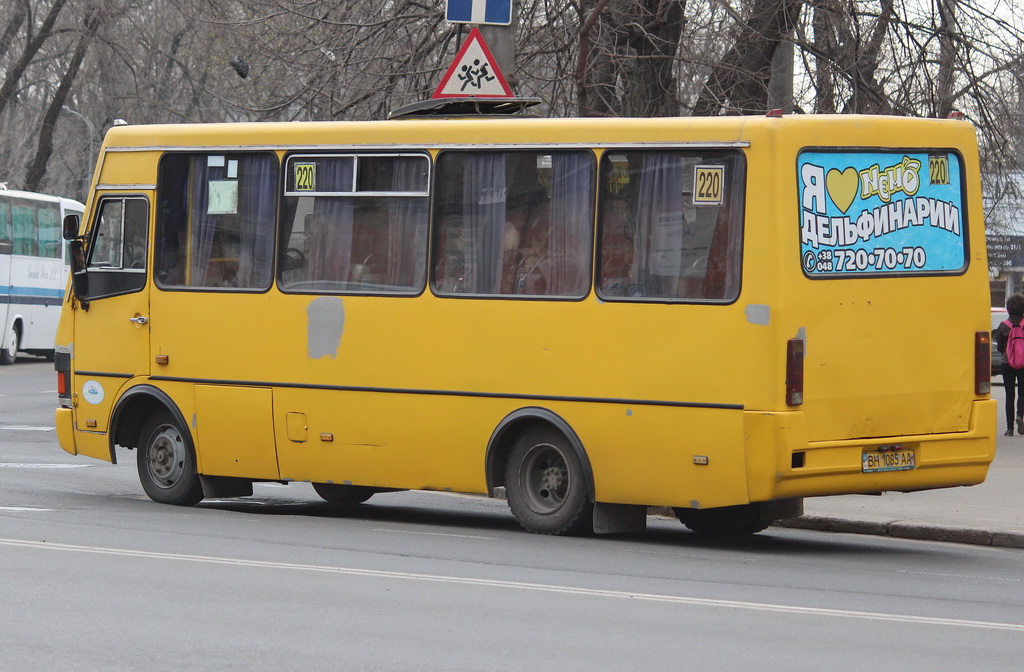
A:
435,534
21,428
23,508
520,585
28,465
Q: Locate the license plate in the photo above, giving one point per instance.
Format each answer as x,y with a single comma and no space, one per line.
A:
888,460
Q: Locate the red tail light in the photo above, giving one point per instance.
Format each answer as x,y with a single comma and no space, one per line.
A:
795,371
982,362
62,365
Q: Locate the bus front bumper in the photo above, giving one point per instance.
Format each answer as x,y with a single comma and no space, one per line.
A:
65,420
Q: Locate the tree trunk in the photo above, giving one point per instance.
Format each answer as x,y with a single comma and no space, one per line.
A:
738,84
947,58
37,169
15,73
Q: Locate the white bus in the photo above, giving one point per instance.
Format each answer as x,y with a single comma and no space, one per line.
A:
33,270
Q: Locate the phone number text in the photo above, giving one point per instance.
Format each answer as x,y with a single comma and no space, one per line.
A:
878,259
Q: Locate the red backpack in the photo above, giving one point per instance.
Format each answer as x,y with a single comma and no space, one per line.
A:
1015,345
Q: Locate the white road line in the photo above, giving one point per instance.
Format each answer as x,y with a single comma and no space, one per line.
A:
42,465
519,585
23,508
23,428
435,534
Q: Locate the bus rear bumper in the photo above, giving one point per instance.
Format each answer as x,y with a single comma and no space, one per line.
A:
783,464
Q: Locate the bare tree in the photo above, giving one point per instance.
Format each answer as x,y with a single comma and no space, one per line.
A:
739,82
36,37
95,15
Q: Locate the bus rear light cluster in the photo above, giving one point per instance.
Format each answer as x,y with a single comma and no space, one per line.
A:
795,371
982,362
62,365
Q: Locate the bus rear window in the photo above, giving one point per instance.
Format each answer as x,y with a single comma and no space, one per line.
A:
670,225
872,213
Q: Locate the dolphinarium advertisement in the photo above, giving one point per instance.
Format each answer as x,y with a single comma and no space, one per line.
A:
881,213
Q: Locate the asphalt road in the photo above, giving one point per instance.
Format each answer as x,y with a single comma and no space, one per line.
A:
97,577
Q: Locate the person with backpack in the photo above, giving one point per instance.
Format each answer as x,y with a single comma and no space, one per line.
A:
1010,342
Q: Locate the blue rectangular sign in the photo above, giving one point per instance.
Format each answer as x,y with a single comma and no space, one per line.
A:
481,12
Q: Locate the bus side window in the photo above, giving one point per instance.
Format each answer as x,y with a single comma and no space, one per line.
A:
117,252
48,232
136,233
5,227
515,223
216,222
354,224
662,238
23,216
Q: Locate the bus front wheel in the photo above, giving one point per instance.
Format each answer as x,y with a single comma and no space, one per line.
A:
10,353
338,493
545,485
167,463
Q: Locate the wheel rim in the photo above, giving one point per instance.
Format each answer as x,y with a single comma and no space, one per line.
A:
12,343
165,457
545,477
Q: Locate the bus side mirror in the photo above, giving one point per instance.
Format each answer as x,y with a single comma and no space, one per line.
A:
71,223
79,273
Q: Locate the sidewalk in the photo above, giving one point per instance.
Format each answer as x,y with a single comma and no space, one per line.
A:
990,514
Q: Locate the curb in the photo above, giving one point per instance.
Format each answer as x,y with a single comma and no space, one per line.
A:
905,530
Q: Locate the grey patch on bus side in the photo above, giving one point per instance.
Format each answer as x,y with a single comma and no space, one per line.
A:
757,313
325,325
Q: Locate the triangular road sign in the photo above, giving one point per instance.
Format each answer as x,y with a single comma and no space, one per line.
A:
474,72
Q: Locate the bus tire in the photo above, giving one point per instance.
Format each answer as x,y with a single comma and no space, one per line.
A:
725,521
347,495
545,484
167,462
10,353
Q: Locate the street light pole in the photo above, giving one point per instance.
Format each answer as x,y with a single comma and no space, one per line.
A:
92,141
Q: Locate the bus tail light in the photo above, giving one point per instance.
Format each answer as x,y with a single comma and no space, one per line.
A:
62,365
982,362
795,371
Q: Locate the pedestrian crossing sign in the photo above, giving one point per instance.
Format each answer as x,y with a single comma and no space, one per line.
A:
474,72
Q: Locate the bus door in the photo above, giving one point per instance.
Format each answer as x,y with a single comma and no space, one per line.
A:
111,342
214,323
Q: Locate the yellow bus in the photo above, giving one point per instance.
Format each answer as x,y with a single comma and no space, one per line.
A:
589,317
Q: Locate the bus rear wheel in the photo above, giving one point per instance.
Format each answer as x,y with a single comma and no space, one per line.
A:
167,462
348,495
545,486
10,353
726,521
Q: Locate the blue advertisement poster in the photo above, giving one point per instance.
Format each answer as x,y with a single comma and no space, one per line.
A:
881,213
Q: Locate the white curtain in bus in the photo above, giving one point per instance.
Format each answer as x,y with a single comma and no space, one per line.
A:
407,229
571,206
202,224
330,237
483,220
660,225
257,208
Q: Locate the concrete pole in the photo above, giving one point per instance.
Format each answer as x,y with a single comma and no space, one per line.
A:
501,40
